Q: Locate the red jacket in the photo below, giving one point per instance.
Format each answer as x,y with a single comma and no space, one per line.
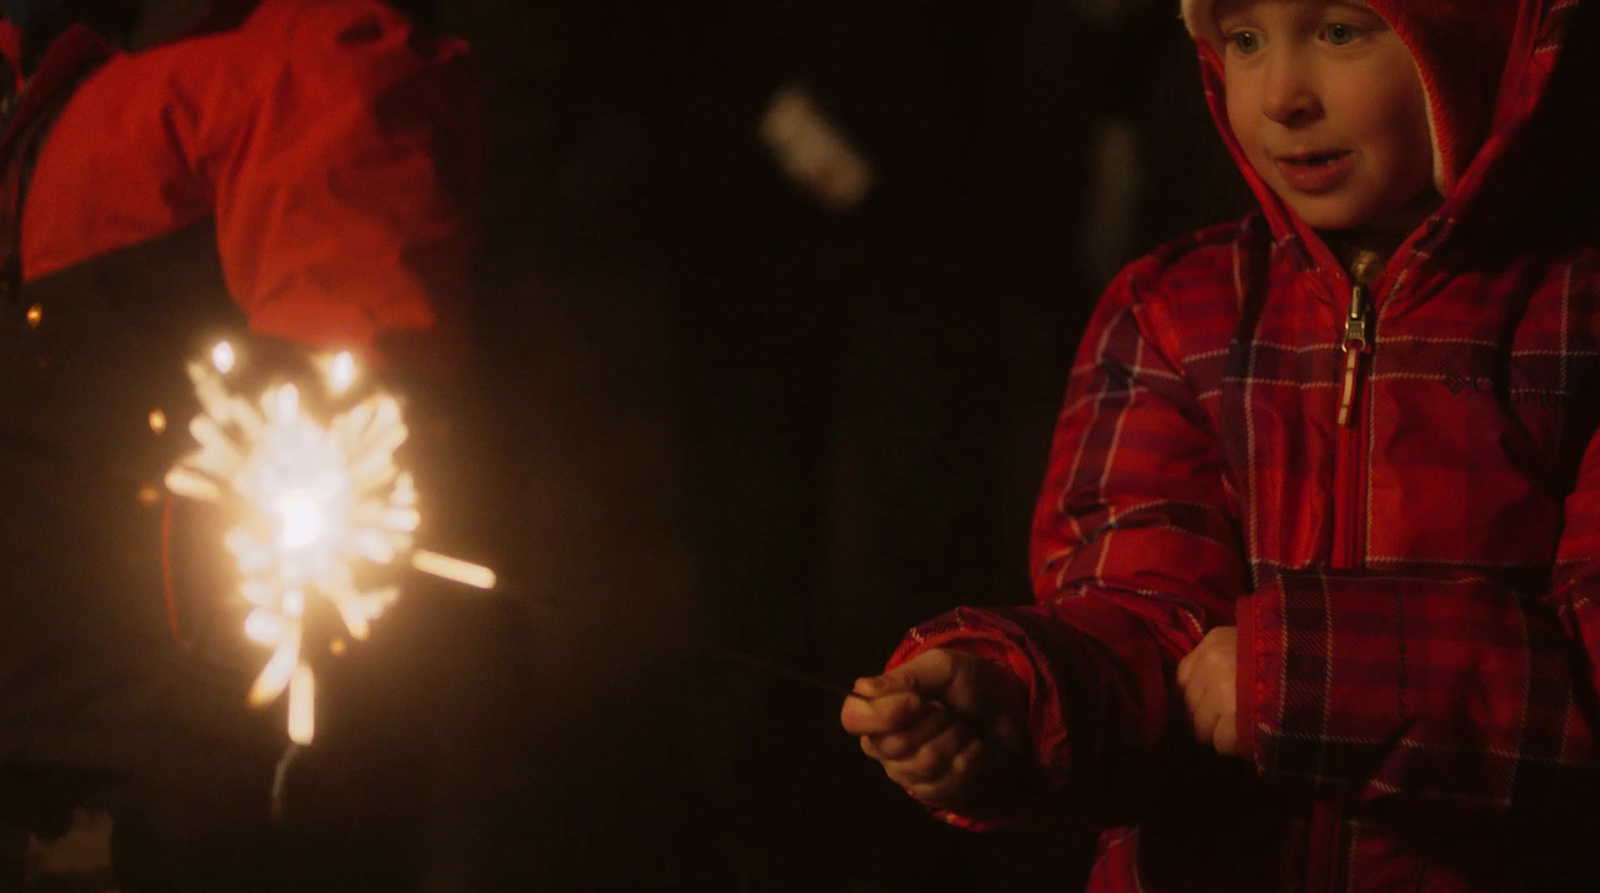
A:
328,140
1413,591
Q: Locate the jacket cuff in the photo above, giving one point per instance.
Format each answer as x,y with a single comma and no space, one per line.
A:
966,630
985,636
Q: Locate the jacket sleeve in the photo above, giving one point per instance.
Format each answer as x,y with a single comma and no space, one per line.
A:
1446,689
329,141
1135,554
339,170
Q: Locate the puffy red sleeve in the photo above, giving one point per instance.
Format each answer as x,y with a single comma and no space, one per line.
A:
331,141
1136,553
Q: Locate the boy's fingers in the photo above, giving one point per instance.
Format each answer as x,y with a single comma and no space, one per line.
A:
1203,712
901,744
1185,670
874,686
931,761
888,749
928,673
1213,715
1201,727
1226,736
958,782
935,674
884,706
966,762
882,715
978,687
856,716
1193,701
1225,730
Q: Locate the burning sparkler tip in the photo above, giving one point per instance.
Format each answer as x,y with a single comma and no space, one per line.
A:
323,504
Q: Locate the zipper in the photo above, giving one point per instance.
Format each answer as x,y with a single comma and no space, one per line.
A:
1326,828
1350,459
1355,346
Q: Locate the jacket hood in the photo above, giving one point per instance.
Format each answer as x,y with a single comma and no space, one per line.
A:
1484,64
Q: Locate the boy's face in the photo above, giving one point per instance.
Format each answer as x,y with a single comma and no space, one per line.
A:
1329,108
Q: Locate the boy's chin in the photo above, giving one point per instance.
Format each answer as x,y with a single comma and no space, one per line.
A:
1389,221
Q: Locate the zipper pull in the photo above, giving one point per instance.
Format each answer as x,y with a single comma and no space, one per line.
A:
1355,344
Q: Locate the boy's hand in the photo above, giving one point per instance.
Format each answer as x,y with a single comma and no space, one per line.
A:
947,726
1208,678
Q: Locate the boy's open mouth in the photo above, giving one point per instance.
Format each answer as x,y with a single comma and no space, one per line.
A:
1316,173
1313,159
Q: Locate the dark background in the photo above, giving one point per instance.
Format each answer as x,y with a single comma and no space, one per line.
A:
720,416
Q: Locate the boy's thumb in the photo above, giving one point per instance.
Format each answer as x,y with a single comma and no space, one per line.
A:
929,673
887,683
867,685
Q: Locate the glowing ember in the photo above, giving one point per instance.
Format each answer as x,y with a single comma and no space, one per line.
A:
462,572
341,372
318,503
222,357
302,713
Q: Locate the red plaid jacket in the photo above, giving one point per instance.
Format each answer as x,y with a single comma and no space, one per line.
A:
1413,590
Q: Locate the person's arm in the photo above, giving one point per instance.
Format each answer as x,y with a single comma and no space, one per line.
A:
339,169
1136,554
329,145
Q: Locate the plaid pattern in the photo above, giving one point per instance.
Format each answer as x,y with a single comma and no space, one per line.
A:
1413,592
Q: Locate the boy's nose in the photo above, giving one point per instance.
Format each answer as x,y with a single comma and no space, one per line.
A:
1289,96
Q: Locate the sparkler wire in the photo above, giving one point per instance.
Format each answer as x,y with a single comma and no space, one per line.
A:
793,675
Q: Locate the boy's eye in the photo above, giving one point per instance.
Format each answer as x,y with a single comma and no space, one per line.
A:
1340,34
1245,42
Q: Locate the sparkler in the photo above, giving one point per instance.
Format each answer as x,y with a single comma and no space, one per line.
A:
324,511
814,682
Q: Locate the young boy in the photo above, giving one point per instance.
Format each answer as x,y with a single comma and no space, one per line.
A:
1324,496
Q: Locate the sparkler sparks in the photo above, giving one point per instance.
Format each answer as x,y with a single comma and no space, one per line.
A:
323,510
